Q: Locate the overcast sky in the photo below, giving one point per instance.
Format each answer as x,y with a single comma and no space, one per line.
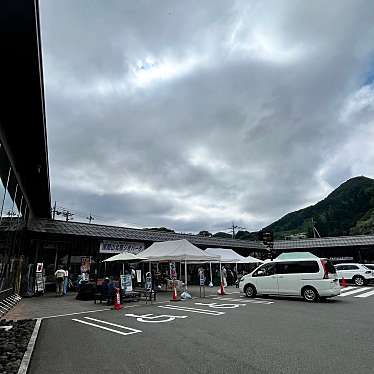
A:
196,114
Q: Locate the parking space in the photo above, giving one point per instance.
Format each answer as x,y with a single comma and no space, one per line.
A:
215,334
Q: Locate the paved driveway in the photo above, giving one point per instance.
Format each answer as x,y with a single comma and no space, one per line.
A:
214,335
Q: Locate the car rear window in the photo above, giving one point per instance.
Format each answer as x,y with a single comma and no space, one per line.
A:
295,267
330,267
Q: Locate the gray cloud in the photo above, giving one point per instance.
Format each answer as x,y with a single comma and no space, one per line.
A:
192,116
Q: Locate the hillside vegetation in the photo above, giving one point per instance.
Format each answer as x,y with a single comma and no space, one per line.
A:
348,210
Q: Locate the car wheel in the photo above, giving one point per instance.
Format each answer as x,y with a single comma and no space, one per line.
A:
309,294
359,281
250,291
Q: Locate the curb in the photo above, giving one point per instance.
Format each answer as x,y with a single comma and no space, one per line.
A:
30,348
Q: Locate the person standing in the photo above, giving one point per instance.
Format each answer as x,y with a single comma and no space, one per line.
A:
224,276
66,281
59,276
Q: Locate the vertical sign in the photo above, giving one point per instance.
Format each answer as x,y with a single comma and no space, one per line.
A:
85,264
173,271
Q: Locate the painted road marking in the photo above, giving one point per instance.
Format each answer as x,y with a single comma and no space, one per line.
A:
151,318
72,314
192,310
231,293
348,288
253,301
245,300
130,330
366,294
220,306
361,289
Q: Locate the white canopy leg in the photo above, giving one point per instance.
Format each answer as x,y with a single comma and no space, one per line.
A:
185,273
211,275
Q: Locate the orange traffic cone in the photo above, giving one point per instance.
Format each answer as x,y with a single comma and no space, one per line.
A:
117,300
174,294
344,282
222,289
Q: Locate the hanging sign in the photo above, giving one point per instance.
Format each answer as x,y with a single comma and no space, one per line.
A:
173,271
114,247
39,267
138,276
85,264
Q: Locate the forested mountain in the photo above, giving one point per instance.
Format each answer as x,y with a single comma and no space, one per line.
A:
348,210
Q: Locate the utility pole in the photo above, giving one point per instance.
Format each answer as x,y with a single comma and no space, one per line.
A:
55,211
315,231
67,214
233,228
90,218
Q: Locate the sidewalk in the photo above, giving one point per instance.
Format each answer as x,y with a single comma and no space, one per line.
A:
49,305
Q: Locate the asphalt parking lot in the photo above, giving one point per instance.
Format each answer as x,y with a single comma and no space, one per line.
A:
214,335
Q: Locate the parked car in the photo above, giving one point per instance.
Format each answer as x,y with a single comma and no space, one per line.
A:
357,273
311,278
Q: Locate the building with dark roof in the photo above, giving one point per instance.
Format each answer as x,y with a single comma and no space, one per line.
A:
30,236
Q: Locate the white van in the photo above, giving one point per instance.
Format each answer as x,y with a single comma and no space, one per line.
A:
307,276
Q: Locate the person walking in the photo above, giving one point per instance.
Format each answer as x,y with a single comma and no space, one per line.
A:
59,276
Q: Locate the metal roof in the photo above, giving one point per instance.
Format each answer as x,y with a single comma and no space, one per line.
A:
339,241
124,233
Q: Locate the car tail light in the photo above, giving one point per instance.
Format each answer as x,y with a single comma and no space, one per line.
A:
326,273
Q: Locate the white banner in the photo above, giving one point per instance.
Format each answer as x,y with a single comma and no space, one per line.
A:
117,247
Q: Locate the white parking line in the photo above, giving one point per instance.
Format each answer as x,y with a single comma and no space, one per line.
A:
192,310
131,330
245,300
366,294
221,306
72,314
348,288
253,301
354,291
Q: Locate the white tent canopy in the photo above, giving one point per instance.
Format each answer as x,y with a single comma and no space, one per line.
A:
176,250
126,256
251,260
229,256
226,255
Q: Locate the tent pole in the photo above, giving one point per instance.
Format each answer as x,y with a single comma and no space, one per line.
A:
180,270
123,268
211,275
185,273
220,272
